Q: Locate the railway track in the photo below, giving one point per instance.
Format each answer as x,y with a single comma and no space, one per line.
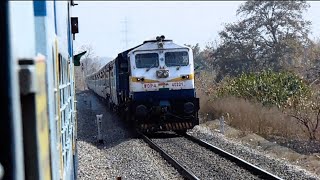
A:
189,174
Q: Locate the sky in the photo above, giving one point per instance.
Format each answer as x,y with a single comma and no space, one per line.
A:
111,27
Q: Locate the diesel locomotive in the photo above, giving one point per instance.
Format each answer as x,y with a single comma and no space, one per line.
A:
151,85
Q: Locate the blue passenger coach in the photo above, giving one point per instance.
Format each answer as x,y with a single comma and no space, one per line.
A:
38,129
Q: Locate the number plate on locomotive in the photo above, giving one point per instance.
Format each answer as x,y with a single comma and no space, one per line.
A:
177,84
151,86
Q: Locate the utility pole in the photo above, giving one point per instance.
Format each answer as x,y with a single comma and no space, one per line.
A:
125,31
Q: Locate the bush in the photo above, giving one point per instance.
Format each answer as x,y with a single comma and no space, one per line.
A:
285,90
282,89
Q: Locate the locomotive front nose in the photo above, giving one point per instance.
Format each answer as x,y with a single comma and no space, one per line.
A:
141,111
188,107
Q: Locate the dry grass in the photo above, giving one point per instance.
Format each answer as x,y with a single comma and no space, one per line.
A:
246,115
252,117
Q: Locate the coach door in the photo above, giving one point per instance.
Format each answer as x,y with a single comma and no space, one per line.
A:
109,83
113,93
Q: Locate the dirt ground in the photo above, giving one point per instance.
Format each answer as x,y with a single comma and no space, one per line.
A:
308,158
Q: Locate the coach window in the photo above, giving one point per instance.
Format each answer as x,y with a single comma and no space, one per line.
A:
180,58
147,60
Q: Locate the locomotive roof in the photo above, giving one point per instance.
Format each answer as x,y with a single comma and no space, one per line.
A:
153,45
147,45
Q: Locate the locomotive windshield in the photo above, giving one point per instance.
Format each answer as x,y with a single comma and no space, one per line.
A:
180,58
147,60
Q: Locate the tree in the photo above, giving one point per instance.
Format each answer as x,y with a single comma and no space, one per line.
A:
279,25
269,34
89,54
86,66
307,113
196,52
199,56
88,59
311,66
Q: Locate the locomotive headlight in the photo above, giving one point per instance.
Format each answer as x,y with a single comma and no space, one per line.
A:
160,45
185,76
188,107
159,73
140,79
166,73
162,73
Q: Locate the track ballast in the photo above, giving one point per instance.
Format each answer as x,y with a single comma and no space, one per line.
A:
195,159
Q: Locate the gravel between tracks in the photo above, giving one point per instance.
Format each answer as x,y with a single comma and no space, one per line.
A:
278,167
121,155
208,164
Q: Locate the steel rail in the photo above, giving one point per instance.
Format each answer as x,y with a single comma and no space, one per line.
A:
183,171
242,163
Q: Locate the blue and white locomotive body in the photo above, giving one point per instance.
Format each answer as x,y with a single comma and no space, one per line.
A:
152,85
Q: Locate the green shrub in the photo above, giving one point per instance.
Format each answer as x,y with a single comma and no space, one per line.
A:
283,89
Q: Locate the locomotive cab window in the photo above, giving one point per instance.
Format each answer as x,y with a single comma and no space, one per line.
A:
180,58
147,60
